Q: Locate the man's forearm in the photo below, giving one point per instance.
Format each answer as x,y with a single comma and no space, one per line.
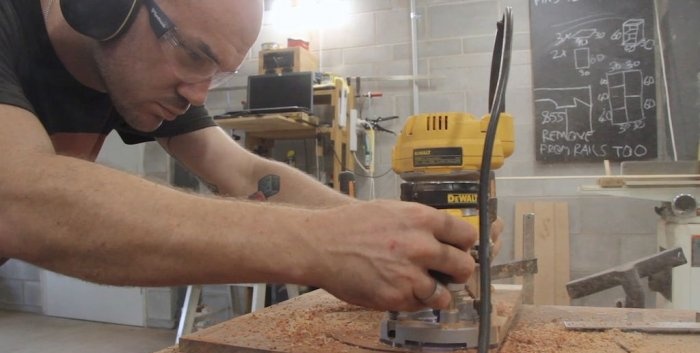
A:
298,188
233,171
95,223
106,226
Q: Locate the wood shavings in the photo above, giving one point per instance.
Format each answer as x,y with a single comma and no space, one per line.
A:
553,337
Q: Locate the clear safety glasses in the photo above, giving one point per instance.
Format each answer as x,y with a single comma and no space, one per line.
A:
190,64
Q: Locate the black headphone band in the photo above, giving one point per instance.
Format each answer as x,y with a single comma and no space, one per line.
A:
126,22
99,19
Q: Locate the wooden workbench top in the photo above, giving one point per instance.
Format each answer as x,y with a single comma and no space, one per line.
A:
317,322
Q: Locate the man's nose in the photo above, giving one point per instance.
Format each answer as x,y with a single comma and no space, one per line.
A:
195,93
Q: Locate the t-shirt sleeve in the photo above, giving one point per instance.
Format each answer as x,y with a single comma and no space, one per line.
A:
194,119
11,91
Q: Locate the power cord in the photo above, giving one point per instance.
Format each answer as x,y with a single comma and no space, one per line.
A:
502,50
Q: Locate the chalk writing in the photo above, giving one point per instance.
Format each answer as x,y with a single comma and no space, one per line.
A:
591,150
593,76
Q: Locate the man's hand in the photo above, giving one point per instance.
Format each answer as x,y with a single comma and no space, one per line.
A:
496,230
377,254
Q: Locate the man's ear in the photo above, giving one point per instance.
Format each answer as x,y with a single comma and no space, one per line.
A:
99,19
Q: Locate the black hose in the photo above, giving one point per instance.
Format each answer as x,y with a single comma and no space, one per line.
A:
497,106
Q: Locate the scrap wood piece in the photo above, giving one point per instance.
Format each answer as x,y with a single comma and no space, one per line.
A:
611,182
552,248
648,327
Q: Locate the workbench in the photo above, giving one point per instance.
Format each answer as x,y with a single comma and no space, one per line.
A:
318,322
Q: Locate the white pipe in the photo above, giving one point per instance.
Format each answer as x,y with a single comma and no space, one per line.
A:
414,56
665,78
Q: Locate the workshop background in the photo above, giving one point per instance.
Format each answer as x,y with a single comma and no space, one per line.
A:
455,42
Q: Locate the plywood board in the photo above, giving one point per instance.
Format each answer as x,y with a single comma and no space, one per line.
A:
551,249
317,322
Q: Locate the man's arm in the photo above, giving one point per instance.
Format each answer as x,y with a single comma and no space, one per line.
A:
92,222
234,171
106,226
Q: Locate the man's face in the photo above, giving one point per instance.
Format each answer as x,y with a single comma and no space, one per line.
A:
146,85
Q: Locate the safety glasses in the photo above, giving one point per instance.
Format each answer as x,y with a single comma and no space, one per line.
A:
190,64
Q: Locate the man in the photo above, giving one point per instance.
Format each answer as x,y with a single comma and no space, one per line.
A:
61,92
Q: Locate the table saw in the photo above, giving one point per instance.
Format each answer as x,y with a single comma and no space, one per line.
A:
318,322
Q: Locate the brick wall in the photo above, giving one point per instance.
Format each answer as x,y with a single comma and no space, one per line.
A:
455,40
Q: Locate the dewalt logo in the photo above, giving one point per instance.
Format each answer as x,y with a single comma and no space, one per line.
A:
461,198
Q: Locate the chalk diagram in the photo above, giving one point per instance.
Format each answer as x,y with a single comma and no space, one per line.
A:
625,99
632,35
569,110
579,39
594,80
622,103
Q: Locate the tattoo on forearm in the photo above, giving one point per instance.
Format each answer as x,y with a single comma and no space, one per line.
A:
268,186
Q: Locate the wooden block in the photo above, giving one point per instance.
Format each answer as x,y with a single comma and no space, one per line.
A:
551,249
294,59
544,252
611,182
317,322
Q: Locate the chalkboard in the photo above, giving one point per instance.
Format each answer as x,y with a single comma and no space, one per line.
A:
594,79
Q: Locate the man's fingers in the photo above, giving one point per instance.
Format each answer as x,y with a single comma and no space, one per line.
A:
451,230
433,294
457,264
496,229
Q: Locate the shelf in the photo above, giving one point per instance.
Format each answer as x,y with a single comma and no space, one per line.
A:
288,125
262,130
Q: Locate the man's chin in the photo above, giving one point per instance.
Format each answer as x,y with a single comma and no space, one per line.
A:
145,125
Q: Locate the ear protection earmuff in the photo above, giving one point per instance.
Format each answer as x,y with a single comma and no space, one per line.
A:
102,20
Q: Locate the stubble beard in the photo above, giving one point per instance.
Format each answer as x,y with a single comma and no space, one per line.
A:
116,87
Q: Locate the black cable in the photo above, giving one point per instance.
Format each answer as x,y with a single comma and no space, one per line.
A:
337,158
307,162
374,177
505,30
